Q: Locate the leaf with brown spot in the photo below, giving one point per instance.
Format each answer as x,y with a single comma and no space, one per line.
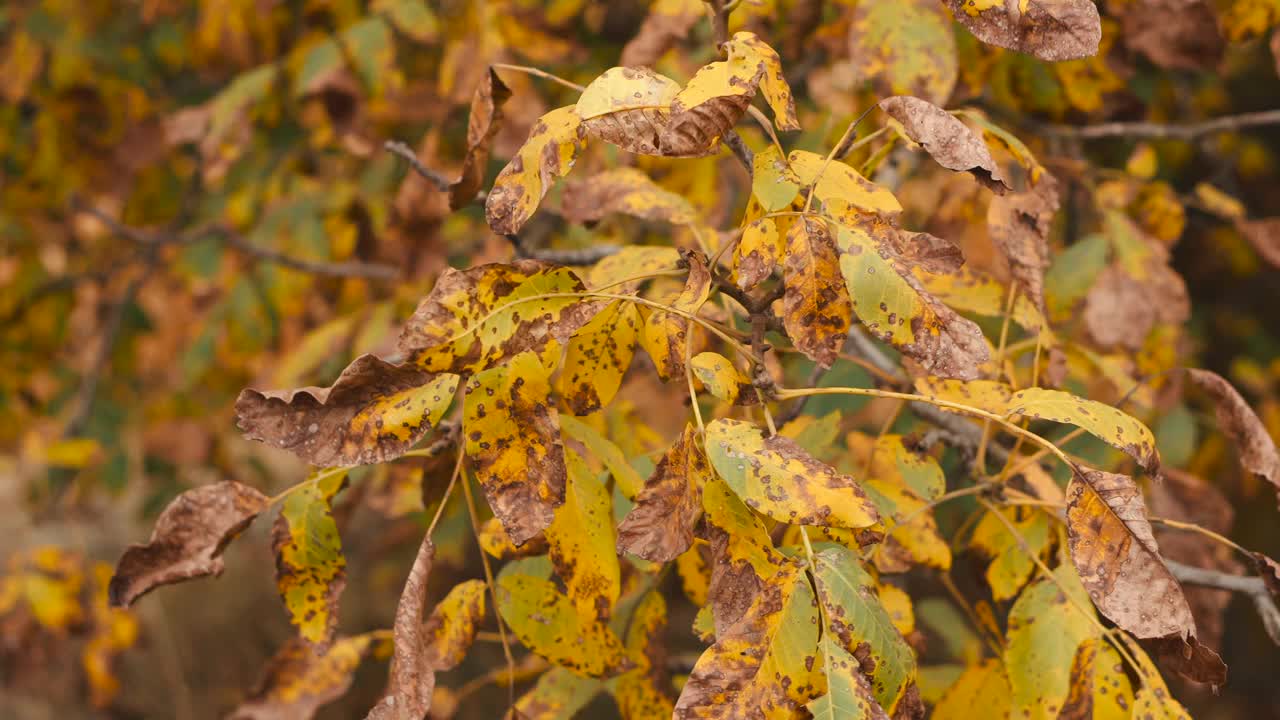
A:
483,124
904,48
413,679
452,625
627,191
780,479
547,155
1100,689
841,192
758,250
645,692
848,695
668,22
947,140
559,694
300,678
660,526
764,664
1047,624
545,621
969,290
374,412
513,443
187,541
719,376
855,616
597,357
1019,224
475,318
582,542
816,307
1153,700
1239,422
1052,30
663,335
1114,551
310,566
629,107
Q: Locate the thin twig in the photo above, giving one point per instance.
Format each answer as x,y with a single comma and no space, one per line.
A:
740,150
395,147
1149,130
315,267
1254,587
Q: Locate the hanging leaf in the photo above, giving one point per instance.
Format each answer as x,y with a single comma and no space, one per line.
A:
614,272
1264,234
947,140
1241,424
848,695
548,154
300,678
911,533
758,250
816,310
374,412
718,375
904,48
1045,631
513,443
546,622
597,357
629,107
1052,30
484,122
773,183
663,336
627,191
310,566
558,694
581,542
645,692
777,477
856,618
894,307
474,318
1153,699
969,290
187,541
413,679
115,630
660,527
763,665
1100,689
1019,224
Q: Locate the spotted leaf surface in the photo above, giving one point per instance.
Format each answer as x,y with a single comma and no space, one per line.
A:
1052,30
780,479
1114,427
646,692
664,333
374,412
839,191
310,567
947,140
660,526
597,357
848,691
1045,631
451,627
718,375
1100,689
475,318
547,155
581,541
300,678
413,679
1116,555
629,107
625,191
759,249
816,310
546,622
513,443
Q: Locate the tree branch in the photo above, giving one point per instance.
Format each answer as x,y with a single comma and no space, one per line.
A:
1254,587
402,150
1159,131
340,269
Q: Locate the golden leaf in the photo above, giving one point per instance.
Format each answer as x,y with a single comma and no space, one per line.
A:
644,693
718,375
1100,689
546,622
758,250
816,307
980,686
547,155
597,357
581,542
300,678
1010,566
663,335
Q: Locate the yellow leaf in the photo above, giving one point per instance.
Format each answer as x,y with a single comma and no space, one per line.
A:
300,678
718,375
897,603
1100,689
613,272
912,534
1219,203
977,292
1010,566
547,155
310,566
451,627
629,107
546,622
1045,630
513,442
643,693
777,477
581,540
114,631
841,192
980,686
597,357
758,250
663,336
604,450
816,307
71,452
694,574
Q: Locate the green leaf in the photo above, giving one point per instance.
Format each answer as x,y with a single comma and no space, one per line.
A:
310,567
848,692
1045,630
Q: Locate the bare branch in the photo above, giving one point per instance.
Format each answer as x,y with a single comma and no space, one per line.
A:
1147,130
1254,587
340,269
740,150
402,150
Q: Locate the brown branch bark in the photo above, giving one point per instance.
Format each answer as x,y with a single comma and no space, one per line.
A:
1160,131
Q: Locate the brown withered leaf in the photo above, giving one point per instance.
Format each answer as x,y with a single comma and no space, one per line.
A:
1173,34
627,191
927,252
187,541
1052,30
1190,659
413,680
630,107
1269,570
484,122
374,412
300,679
513,443
1239,422
1264,235
667,23
947,140
1019,224
1116,311
660,526
1117,558
817,311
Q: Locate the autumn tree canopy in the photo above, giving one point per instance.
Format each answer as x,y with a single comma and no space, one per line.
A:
728,359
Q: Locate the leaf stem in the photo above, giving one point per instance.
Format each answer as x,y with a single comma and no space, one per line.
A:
540,73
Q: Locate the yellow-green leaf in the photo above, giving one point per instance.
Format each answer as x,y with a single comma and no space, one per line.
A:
841,192
773,183
718,375
848,695
644,693
780,479
513,443
816,307
581,540
614,272
310,567
1114,427
546,622
558,695
597,356
547,155
1045,630
1010,566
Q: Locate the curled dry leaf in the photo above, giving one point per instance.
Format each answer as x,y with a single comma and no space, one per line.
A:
310,566
627,191
1191,659
816,310
484,122
664,333
412,679
1052,30
187,541
513,443
301,678
1239,422
1264,235
1114,551
1019,224
667,23
660,526
947,140
373,412
780,479
629,107
474,318
548,154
